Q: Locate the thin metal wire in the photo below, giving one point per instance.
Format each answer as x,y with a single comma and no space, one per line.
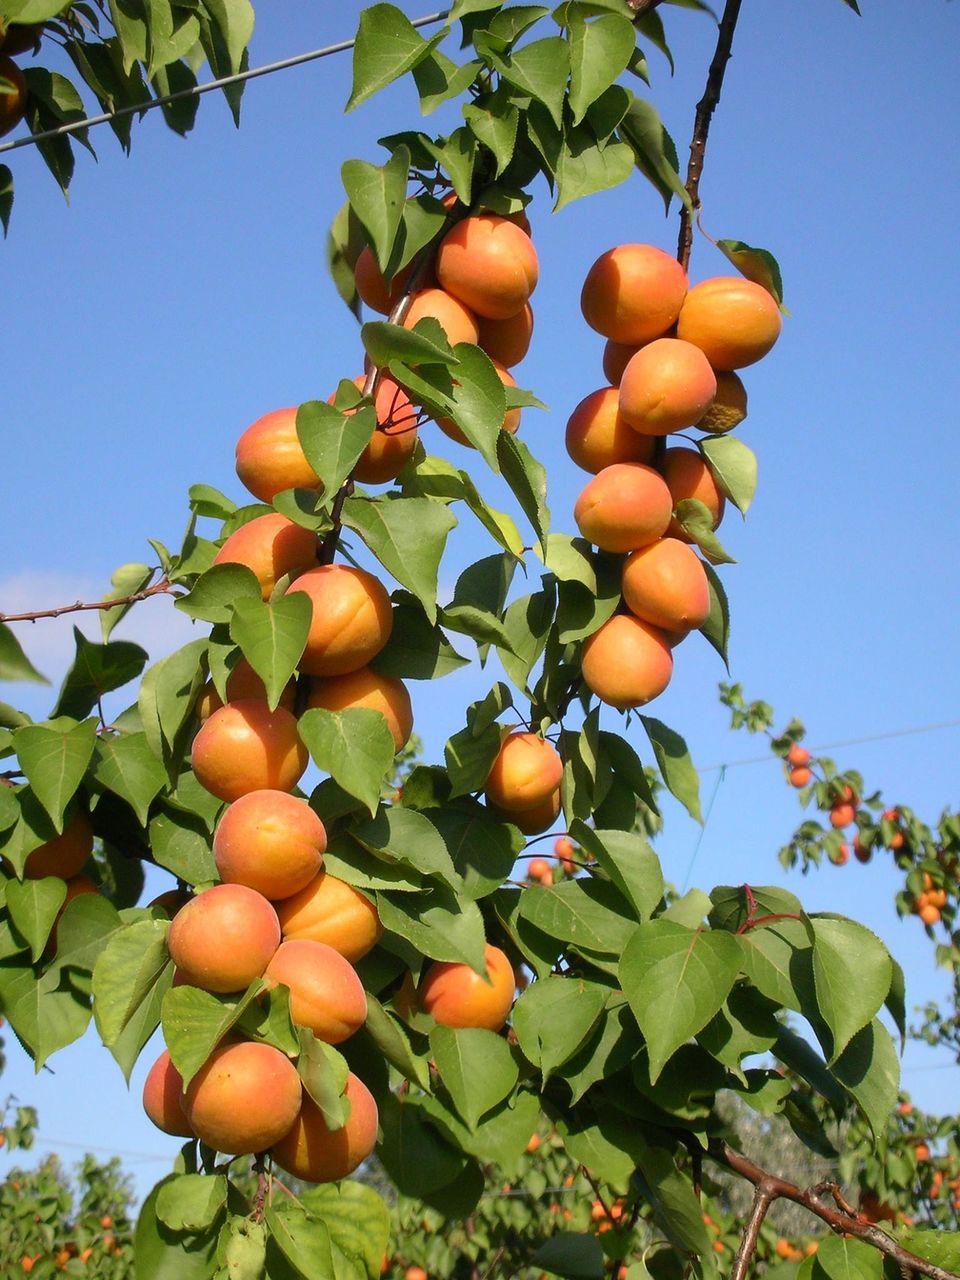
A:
194,92
770,758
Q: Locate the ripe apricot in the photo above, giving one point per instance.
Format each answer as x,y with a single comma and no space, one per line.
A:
367,688
242,682
311,1151
224,938
667,386
616,357
331,911
511,419
633,293
270,546
929,914
798,755
325,993
598,436
800,776
526,772
163,1098
665,585
455,996
921,1151
862,852
728,407
625,506
687,476
352,619
395,438
533,1144
489,264
733,321
538,818
457,321
13,103
507,341
270,457
539,869
842,814
627,663
270,841
842,856
64,855
244,1098
414,1273
373,288
244,746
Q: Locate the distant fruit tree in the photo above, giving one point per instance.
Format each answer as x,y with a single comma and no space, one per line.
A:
348,966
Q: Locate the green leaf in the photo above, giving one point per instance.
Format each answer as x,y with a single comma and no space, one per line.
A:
852,972
333,441
572,1255
377,195
937,1245
695,520
192,1202
392,1038
6,198
54,761
584,912
216,591
600,52
758,265
654,149
354,746
870,1072
302,1238
407,536
528,481
126,765
423,344
479,401
628,860
734,467
162,1254
481,847
194,1022
33,906
358,1221
553,1018
324,1074
344,245
469,758
273,637
234,20
716,629
477,1068
438,924
128,580
408,837
676,979
527,622
416,649
585,165
438,80
413,1152
181,842
387,46
540,69
130,978
675,764
14,663
494,122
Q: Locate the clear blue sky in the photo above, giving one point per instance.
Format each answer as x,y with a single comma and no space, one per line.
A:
183,293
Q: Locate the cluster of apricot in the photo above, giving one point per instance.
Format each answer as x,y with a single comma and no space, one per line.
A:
670,358
15,38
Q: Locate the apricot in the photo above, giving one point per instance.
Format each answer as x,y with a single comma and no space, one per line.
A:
797,755
244,746
311,1151
598,436
799,777
489,264
507,341
270,841
331,911
733,321
526,772
170,901
929,914
325,993
270,457
64,855
687,476
224,938
455,996
538,818
627,662
510,423
244,1098
13,103
163,1098
352,619
458,322
539,869
842,814
395,438
729,406
367,688
373,288
633,293
665,585
616,357
625,506
667,386
270,546
242,682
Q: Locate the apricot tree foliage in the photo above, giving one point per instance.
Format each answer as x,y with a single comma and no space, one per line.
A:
642,1009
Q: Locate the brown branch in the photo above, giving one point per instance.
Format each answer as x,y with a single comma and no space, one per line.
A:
701,126
844,1223
158,588
763,1197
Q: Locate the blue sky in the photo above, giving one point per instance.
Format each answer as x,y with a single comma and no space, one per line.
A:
183,293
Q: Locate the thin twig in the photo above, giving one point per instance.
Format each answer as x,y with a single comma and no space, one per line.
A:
762,1199
701,125
158,588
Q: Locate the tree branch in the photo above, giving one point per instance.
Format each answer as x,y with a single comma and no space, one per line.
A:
701,126
158,588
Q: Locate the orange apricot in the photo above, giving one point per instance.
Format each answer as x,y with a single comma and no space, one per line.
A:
13,103
244,746
536,819
507,341
489,264
270,546
627,662
625,506
224,938
797,755
373,288
270,841
688,476
456,996
352,619
539,869
242,682
367,688
526,772
244,1098
270,457
633,293
163,1098
929,914
598,436
395,437
842,814
799,777
665,585
729,406
331,911
457,321
616,357
511,419
667,386
733,321
325,993
311,1151
64,855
